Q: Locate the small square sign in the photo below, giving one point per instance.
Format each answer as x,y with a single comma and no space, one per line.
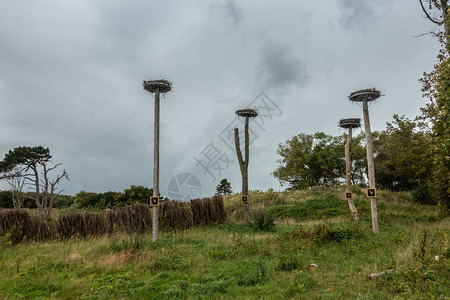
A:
154,201
371,192
348,195
245,198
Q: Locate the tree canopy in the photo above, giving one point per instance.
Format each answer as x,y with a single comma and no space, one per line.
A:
436,87
311,159
224,187
402,159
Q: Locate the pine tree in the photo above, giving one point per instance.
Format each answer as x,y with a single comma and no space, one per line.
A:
224,187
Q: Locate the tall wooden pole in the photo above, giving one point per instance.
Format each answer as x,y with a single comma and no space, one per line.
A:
245,174
155,209
370,166
348,169
243,165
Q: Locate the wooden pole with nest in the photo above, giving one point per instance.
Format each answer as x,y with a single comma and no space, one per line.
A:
156,87
349,124
366,96
243,163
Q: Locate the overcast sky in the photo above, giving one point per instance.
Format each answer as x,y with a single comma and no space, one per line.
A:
71,77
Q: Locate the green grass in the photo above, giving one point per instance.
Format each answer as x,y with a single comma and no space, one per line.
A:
235,261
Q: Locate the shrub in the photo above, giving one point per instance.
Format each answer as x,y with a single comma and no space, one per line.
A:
134,243
422,195
263,222
311,209
253,278
287,263
324,233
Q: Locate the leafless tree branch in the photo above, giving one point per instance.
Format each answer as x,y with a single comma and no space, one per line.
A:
428,15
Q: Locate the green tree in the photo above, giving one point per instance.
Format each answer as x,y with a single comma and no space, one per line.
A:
224,187
402,160
436,87
35,160
6,199
136,194
31,158
359,159
311,159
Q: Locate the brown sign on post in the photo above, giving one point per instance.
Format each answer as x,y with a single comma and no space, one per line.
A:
348,195
245,198
154,201
371,193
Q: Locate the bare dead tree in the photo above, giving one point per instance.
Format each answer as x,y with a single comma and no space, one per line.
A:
46,184
349,124
243,163
16,181
47,187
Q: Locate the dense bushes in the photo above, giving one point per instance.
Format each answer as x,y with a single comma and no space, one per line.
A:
311,209
134,194
262,221
324,233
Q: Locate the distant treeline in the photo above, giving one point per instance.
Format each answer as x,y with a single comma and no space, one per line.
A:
83,199
403,159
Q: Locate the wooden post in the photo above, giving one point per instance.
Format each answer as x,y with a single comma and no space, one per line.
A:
155,209
370,167
348,182
243,164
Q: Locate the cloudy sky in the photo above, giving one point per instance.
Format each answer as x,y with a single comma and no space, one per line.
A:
71,77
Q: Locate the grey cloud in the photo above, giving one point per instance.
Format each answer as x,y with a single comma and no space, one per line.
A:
70,79
234,12
356,13
280,68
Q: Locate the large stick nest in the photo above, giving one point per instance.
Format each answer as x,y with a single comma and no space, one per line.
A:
154,85
367,94
350,123
247,112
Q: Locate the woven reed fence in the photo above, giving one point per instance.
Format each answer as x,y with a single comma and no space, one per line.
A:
137,217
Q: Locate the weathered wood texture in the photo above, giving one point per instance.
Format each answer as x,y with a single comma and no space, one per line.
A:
348,182
155,209
243,164
371,169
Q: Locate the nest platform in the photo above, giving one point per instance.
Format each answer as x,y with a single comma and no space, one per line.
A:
365,95
350,123
154,85
247,113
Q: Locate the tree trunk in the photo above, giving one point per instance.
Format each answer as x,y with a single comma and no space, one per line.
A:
155,209
36,184
45,191
243,164
446,21
348,182
370,167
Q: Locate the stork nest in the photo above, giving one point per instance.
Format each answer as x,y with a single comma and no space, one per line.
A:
367,94
350,123
247,112
154,85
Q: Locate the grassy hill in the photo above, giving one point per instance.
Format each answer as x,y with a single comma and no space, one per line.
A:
237,261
